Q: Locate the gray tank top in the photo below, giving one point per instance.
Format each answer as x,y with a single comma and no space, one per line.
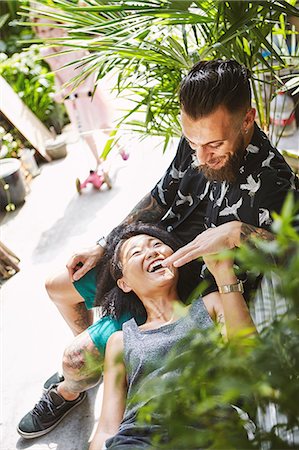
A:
145,352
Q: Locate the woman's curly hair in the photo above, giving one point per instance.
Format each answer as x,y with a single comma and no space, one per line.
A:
112,300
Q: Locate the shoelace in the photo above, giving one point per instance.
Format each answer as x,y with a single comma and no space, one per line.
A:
44,405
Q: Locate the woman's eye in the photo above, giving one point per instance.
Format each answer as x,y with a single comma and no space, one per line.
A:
136,252
157,244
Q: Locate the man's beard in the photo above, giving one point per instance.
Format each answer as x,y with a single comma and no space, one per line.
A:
230,170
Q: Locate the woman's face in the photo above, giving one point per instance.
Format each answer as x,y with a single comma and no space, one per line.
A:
139,256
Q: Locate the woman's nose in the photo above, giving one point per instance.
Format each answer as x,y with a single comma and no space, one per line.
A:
152,252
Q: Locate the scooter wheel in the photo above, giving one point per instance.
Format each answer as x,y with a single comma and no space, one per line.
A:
78,186
107,180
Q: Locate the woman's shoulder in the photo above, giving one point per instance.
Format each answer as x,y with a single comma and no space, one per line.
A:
115,343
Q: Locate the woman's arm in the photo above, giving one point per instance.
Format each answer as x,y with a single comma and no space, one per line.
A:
232,305
115,390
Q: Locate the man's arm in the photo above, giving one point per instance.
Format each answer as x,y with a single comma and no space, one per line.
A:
214,240
147,210
250,232
114,396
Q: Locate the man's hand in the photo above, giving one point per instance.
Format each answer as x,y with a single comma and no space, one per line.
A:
212,240
221,268
81,263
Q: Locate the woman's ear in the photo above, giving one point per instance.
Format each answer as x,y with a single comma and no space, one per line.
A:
123,285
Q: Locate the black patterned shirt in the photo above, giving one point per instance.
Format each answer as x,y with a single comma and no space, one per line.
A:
194,203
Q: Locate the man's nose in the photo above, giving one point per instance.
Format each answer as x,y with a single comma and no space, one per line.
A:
202,154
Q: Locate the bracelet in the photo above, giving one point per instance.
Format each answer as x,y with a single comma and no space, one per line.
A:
227,288
102,242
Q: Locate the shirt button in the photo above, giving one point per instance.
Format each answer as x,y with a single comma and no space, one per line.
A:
169,229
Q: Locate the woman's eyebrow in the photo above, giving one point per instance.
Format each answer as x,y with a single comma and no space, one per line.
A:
150,239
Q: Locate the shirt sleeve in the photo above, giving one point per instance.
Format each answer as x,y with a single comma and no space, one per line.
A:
275,187
165,190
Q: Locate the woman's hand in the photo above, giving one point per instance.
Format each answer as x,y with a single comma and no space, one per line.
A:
80,263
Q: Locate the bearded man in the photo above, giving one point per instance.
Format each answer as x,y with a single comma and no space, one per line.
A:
221,189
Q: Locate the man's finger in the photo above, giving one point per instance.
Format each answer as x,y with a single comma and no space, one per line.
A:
176,255
188,257
80,272
73,265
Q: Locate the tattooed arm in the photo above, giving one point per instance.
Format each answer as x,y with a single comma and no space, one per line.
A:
214,240
249,232
147,210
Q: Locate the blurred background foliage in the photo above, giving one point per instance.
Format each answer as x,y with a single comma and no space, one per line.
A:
258,375
152,44
13,36
31,78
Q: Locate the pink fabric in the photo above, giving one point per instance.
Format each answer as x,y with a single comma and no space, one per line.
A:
87,113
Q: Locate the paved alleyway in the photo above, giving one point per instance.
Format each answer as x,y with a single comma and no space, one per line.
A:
53,223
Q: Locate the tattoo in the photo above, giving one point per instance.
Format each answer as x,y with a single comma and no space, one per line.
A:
147,210
220,319
83,317
250,231
83,364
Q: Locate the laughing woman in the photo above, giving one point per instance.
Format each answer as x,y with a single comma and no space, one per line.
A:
154,292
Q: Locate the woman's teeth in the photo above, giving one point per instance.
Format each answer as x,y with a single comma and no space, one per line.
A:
157,267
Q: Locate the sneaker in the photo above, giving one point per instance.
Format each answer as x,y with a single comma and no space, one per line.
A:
47,414
54,379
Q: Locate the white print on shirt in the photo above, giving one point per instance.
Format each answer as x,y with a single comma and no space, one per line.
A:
252,187
206,189
252,148
176,174
171,215
264,217
292,181
195,163
184,199
161,191
266,162
231,210
224,188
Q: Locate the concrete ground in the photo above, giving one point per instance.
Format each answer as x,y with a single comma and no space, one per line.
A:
53,223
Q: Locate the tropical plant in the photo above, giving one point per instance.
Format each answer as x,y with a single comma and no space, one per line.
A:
34,83
254,374
154,43
9,145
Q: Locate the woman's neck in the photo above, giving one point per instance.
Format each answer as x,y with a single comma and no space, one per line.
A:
161,307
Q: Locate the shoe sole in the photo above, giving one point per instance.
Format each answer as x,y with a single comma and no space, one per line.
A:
42,432
56,381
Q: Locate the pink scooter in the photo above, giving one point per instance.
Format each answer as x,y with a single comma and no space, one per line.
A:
97,179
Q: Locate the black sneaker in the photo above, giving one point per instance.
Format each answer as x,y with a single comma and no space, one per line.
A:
47,413
54,379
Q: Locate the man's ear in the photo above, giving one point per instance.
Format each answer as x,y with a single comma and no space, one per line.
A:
249,118
121,283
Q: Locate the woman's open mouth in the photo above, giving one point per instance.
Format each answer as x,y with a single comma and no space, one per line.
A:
154,266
